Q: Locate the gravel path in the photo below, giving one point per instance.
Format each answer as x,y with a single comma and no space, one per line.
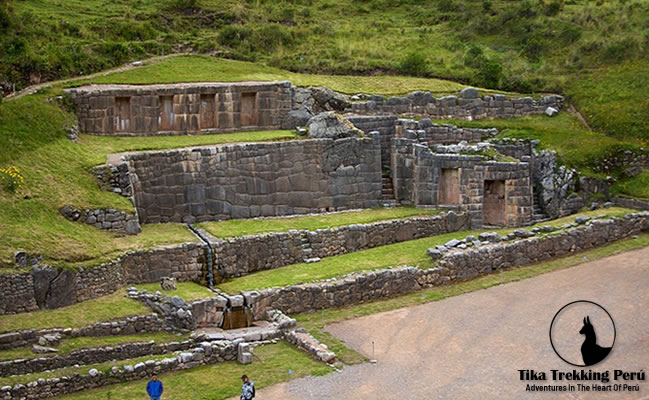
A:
471,346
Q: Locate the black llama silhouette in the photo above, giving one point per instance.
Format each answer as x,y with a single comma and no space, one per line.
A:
591,352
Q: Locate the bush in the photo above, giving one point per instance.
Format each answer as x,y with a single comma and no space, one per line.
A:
533,47
233,35
553,8
271,36
414,64
446,6
474,57
490,74
570,34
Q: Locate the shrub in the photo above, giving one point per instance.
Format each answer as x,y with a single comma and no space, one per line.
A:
570,34
490,74
533,48
474,57
233,35
414,64
12,179
270,36
446,6
553,8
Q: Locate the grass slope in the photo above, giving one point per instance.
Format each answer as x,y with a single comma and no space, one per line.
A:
241,227
56,172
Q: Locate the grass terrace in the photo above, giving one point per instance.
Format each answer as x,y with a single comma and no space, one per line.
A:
69,345
106,308
241,227
316,322
272,364
412,252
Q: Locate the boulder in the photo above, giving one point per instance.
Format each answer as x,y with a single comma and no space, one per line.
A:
469,93
42,349
551,111
168,283
296,118
70,213
329,125
329,100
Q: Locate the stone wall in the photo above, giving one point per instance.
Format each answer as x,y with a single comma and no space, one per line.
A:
455,265
426,132
471,262
417,175
45,287
631,203
127,326
244,255
90,356
384,125
206,353
467,106
183,108
256,179
108,219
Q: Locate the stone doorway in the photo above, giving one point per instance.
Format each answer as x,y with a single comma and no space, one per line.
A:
449,186
207,114
166,117
248,109
493,207
122,114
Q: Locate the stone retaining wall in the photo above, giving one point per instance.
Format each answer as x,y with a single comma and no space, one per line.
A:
46,287
426,132
244,255
631,203
467,106
90,356
182,108
455,265
128,326
383,124
471,262
256,179
206,353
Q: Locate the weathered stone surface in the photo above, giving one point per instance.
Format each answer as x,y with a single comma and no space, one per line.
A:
329,100
469,93
168,283
330,125
551,111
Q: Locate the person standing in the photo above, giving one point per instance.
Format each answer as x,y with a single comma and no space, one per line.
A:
154,388
247,389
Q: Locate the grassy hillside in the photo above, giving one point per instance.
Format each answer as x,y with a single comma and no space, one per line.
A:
524,45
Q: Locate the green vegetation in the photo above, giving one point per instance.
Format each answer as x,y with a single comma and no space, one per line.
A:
241,227
201,69
272,364
637,186
405,253
57,373
70,345
188,291
316,322
56,173
524,46
111,307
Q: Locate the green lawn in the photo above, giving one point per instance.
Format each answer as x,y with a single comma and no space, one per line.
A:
316,322
68,345
241,227
188,291
405,253
271,364
208,69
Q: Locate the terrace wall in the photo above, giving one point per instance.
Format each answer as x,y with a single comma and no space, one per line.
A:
256,179
179,109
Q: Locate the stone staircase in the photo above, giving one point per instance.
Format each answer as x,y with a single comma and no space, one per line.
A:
538,214
306,249
387,192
